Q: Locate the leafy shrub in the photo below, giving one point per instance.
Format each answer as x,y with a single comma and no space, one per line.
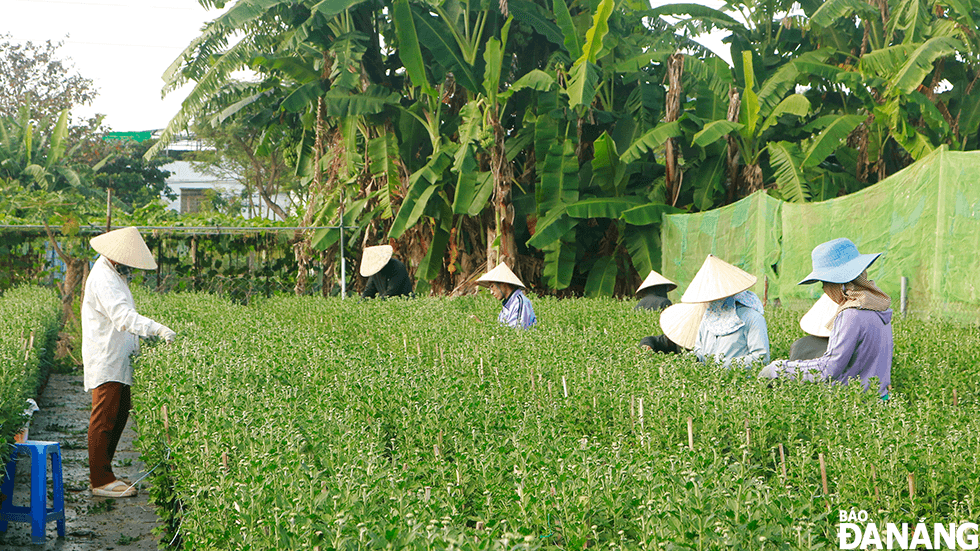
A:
29,315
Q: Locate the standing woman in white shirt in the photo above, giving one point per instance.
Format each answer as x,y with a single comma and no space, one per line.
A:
111,328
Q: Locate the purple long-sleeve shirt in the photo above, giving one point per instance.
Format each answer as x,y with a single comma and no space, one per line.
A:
860,347
517,311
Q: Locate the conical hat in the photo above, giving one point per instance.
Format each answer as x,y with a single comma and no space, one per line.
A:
820,315
500,274
717,279
680,322
656,279
125,246
375,258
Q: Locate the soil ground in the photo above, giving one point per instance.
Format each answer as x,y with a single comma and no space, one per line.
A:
91,523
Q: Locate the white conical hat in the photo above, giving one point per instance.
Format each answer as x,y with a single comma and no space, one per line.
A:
656,279
125,246
500,274
820,315
375,258
680,322
717,279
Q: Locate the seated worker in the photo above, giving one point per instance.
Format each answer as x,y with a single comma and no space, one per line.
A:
508,289
387,276
653,292
653,296
680,323
860,344
732,329
816,323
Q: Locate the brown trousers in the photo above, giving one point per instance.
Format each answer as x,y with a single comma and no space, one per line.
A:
110,410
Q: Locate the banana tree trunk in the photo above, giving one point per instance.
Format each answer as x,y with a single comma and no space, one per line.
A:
675,70
731,166
303,248
501,246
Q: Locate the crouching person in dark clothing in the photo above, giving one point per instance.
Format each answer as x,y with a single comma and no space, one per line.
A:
653,296
387,276
653,292
816,323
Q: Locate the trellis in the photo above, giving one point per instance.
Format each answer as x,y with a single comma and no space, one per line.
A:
240,261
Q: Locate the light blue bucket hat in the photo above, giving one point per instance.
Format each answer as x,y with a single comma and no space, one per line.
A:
838,261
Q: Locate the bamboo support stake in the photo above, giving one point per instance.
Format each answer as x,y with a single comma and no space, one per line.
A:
108,208
690,433
166,422
642,425
955,401
904,296
823,474
748,438
911,485
30,345
874,482
481,371
435,450
428,493
782,462
418,349
564,386
224,461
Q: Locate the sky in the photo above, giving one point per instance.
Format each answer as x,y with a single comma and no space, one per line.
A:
125,46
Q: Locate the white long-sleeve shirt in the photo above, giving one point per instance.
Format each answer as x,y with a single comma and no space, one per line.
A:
111,327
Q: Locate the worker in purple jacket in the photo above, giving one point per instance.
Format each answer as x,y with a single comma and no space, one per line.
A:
508,289
860,345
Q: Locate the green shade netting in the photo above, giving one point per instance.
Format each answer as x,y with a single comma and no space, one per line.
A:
745,233
925,219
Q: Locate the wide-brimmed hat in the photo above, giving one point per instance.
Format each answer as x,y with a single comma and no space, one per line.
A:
816,320
838,261
125,246
655,279
375,258
500,274
680,322
716,280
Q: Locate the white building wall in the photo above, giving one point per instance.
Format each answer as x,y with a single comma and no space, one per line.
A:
183,176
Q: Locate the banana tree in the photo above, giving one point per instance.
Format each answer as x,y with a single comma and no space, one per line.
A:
904,53
761,111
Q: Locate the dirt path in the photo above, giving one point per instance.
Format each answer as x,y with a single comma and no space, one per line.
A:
92,523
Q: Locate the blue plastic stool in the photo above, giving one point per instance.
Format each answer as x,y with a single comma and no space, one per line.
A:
38,514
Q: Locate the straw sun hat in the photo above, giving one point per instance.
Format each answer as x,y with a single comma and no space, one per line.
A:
655,279
680,322
838,261
125,246
716,280
815,321
375,258
500,274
